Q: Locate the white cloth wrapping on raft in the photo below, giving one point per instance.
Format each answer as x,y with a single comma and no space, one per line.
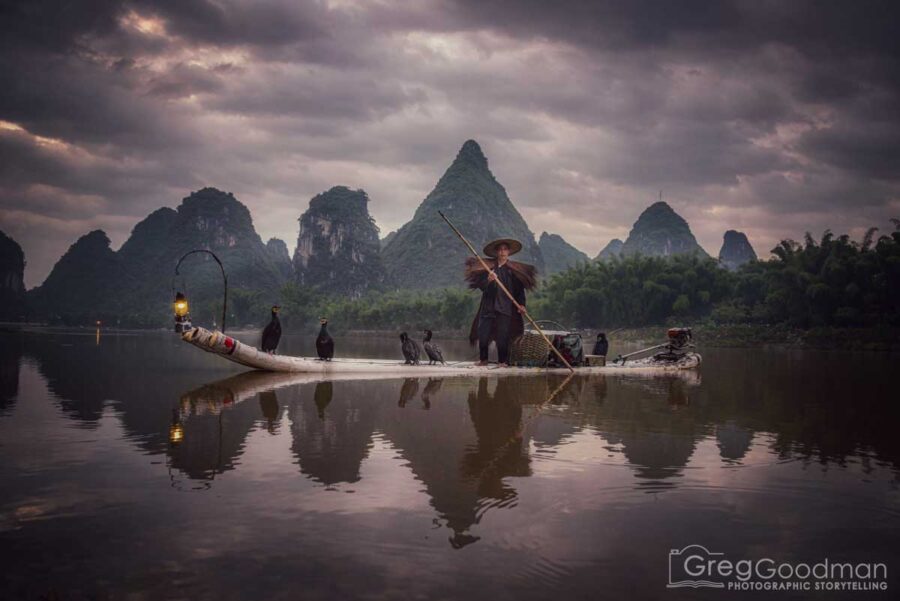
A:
232,349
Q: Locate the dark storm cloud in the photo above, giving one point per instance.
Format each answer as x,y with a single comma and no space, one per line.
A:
771,117
230,23
818,29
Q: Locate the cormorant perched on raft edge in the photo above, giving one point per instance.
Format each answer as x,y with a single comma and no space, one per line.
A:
410,349
432,350
272,333
324,342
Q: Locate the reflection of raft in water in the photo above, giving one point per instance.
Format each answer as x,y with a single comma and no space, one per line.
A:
243,354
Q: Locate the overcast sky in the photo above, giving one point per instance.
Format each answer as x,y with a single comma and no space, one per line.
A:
770,117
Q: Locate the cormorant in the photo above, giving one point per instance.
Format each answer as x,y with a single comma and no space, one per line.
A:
432,350
601,347
324,342
272,334
410,349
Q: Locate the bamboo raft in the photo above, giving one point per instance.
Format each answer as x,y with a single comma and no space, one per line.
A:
233,350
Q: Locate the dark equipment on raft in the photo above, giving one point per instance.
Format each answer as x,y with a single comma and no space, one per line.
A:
679,341
531,348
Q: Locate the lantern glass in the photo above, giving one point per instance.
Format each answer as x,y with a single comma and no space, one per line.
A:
180,305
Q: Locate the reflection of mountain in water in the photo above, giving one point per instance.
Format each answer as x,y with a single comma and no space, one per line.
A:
10,359
140,376
470,445
733,440
216,427
646,417
331,450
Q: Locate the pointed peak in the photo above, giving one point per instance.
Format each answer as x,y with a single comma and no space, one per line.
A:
659,206
471,153
210,192
340,198
96,237
734,235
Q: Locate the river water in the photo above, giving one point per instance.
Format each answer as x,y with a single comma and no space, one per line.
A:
133,466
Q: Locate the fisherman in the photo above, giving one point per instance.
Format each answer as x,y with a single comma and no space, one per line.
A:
499,317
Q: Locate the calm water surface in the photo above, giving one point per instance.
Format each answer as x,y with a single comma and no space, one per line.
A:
136,467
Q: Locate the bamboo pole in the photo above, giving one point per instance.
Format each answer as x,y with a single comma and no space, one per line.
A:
507,292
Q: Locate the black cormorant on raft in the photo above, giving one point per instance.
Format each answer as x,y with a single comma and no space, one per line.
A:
272,334
432,350
410,348
324,342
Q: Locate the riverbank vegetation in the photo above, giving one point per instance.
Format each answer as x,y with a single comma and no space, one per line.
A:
825,283
833,286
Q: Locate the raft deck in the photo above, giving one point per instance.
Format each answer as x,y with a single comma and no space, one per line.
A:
236,351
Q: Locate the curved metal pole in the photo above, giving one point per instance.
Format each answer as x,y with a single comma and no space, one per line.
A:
224,278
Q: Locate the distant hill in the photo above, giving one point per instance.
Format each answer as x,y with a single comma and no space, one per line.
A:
558,254
278,252
338,250
85,285
426,254
736,250
12,283
661,232
134,285
612,249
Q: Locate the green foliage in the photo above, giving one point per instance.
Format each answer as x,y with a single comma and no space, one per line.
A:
632,291
830,282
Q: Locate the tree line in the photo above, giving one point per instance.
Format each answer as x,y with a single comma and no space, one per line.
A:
832,281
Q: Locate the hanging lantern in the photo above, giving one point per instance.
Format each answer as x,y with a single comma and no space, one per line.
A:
182,315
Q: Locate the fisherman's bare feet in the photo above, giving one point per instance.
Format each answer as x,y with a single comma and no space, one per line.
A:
503,365
481,363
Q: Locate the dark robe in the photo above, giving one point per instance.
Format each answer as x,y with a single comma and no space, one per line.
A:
524,278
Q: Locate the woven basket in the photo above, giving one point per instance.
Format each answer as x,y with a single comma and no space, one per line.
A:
530,349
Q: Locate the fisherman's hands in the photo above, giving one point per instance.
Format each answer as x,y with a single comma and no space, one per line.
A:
520,308
492,277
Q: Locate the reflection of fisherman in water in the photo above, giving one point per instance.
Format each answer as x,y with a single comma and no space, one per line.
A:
499,452
408,391
268,404
322,397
